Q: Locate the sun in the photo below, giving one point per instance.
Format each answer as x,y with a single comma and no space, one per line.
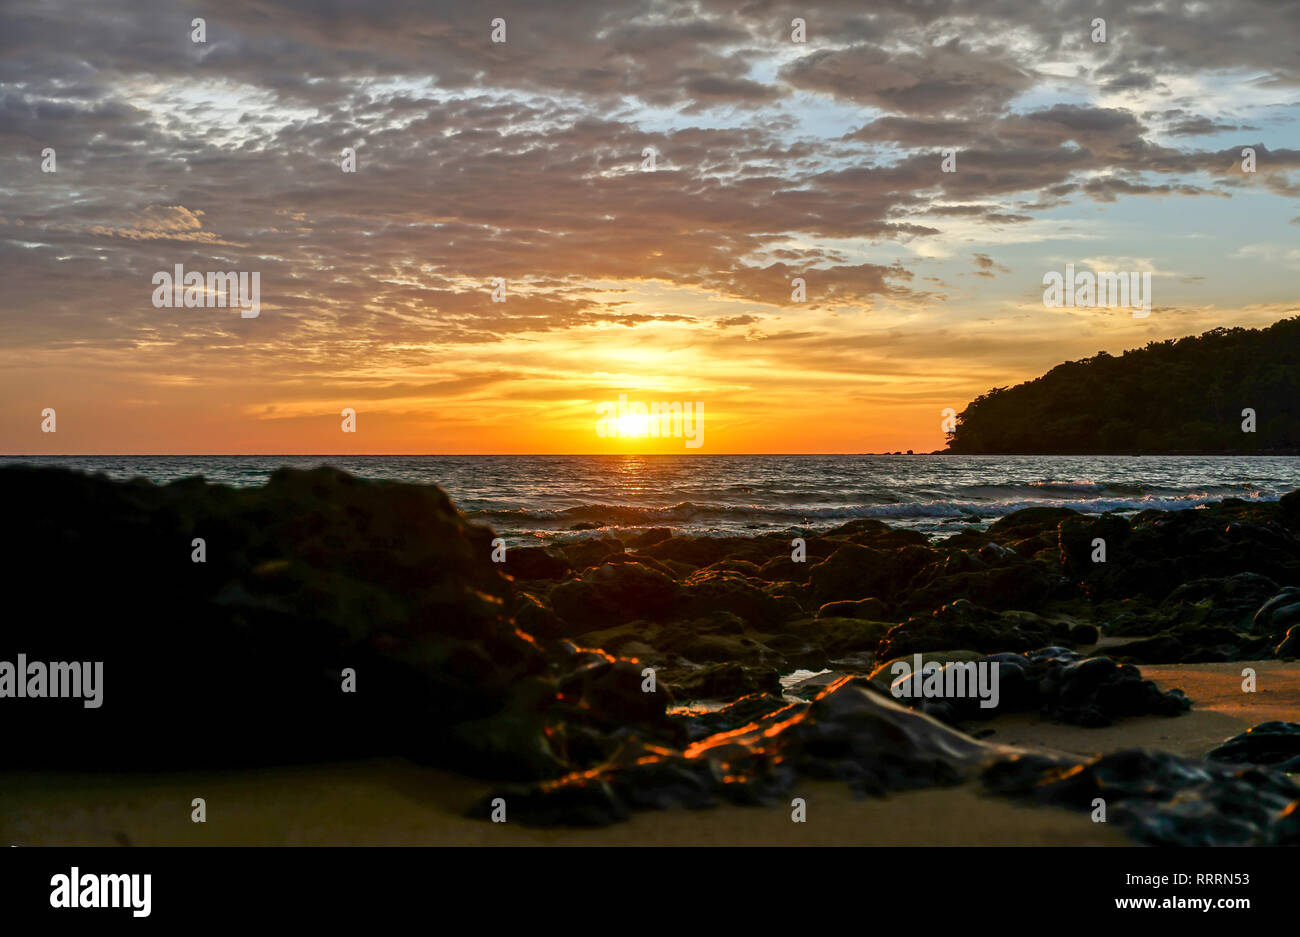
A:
633,424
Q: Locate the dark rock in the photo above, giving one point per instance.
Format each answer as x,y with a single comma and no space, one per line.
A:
581,803
698,552
1289,509
1028,522
644,560
584,553
1197,644
840,636
703,723
536,618
646,538
961,576
872,609
709,591
313,572
1276,744
1165,549
1229,601
784,569
1076,536
743,567
611,690
850,732
1279,614
718,648
965,625
1290,646
536,563
1084,635
721,681
874,533
611,594
1064,687
1161,799
857,572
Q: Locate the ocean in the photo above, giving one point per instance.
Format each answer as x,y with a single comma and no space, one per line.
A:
530,499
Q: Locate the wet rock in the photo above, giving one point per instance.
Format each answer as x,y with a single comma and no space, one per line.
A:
812,685
699,552
1161,799
995,553
884,674
784,569
728,680
856,572
1229,601
719,648
584,553
1013,585
850,733
1028,522
1165,549
1064,687
611,690
536,618
1279,614
1289,509
966,625
872,609
743,567
837,637
1197,644
869,531
1290,646
1276,744
1084,635
536,563
1096,691
649,537
1076,537
611,594
647,561
701,723
709,591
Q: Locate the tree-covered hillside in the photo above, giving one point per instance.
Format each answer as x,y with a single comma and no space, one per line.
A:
1184,394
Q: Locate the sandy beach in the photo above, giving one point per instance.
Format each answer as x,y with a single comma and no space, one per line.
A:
396,803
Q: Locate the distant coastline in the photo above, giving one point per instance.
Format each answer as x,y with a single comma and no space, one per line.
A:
1225,392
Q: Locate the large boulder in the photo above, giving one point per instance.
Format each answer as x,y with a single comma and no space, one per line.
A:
613,593
240,658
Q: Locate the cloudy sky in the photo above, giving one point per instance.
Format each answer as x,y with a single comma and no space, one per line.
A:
523,160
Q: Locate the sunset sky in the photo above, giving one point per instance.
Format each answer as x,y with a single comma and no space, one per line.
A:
523,160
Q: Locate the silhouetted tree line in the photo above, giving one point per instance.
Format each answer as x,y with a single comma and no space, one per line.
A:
1183,394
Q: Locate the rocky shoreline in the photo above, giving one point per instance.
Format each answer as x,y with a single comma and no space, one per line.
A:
643,670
